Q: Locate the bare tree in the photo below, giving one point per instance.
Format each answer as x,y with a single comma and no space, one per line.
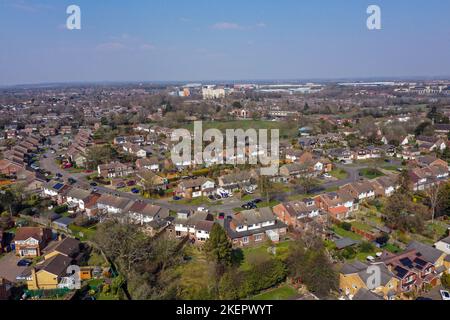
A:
434,196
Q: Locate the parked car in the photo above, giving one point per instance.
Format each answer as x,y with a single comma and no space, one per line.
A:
257,201
131,183
135,190
445,295
176,198
221,216
93,184
72,181
24,263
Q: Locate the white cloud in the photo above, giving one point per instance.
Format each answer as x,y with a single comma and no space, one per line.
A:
226,26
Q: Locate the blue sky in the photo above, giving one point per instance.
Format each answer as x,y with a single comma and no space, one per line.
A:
167,40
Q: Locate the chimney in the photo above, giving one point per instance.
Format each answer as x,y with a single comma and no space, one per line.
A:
34,279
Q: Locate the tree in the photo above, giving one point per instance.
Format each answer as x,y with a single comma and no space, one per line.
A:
443,207
265,187
321,278
445,280
218,247
5,220
308,183
434,193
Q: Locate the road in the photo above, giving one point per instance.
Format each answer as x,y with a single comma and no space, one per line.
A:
48,163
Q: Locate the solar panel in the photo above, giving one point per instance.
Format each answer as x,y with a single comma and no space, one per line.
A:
420,262
401,272
406,262
58,186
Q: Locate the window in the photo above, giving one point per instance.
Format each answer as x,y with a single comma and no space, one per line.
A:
258,237
245,240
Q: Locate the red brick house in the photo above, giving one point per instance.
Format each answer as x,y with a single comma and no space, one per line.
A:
30,241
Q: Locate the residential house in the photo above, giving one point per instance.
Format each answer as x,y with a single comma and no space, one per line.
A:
194,188
9,168
354,278
135,150
237,181
197,225
68,247
335,205
113,204
295,213
361,190
30,241
443,245
152,164
78,197
50,274
411,269
385,186
144,213
115,169
255,226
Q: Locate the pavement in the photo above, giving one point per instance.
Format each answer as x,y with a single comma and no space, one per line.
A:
8,267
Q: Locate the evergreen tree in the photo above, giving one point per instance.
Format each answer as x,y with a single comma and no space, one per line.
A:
218,247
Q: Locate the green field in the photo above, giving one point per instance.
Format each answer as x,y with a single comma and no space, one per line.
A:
371,173
282,293
347,234
286,130
339,174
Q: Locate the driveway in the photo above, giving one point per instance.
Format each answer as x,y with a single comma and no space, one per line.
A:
8,267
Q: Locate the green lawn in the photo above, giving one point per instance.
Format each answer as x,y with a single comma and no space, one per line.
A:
362,226
81,232
282,293
392,248
253,252
370,173
347,234
286,131
265,204
339,174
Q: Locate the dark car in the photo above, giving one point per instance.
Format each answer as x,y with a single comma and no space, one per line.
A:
176,198
135,191
72,181
24,263
59,175
131,183
93,184
221,216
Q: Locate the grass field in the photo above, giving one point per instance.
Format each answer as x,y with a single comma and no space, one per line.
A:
371,173
282,293
339,174
347,234
286,131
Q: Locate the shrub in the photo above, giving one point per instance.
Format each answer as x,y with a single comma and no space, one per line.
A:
61,209
346,226
445,280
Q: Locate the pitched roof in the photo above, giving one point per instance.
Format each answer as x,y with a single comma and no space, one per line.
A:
67,246
427,252
56,265
26,233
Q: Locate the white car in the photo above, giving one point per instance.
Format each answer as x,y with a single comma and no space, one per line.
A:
327,176
445,295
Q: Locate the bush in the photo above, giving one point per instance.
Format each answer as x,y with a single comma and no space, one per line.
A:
61,209
445,280
366,247
346,226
